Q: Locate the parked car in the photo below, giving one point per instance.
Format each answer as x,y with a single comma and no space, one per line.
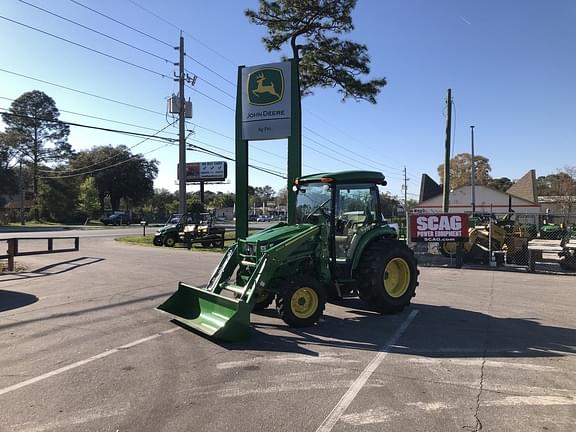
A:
262,218
116,218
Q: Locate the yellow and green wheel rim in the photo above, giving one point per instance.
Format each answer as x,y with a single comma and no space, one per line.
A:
396,277
304,302
450,248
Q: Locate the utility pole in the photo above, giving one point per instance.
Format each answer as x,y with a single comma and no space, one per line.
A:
446,196
22,221
405,187
182,133
473,169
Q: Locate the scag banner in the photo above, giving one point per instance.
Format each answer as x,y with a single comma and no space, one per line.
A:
439,227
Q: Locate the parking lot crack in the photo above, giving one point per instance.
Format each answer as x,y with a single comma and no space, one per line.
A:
478,426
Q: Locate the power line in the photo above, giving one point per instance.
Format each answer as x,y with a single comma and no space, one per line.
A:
212,85
108,99
346,149
230,152
97,32
95,117
211,98
136,134
207,151
122,24
361,162
219,75
85,47
113,157
82,92
211,70
185,32
105,168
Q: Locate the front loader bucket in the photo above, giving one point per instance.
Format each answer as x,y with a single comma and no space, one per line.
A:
209,313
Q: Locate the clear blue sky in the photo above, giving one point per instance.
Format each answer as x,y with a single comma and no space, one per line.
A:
511,66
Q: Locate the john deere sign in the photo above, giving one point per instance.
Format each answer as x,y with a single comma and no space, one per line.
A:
266,101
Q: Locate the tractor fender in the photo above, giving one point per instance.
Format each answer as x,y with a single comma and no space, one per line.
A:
364,240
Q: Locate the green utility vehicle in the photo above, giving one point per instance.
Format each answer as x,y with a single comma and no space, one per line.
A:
190,229
339,247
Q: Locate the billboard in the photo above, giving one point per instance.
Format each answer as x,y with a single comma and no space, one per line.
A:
206,171
266,103
438,227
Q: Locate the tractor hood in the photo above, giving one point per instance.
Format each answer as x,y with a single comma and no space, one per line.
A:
277,233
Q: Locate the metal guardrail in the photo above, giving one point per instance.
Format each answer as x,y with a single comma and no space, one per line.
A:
13,248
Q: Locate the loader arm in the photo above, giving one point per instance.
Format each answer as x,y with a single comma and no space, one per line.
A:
222,309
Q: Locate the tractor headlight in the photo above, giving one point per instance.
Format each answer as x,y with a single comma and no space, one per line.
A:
250,249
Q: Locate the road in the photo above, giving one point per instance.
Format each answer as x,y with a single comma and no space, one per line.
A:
82,348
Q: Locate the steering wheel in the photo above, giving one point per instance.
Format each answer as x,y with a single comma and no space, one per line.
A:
320,209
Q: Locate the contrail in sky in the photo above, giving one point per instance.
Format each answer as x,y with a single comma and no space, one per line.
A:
465,20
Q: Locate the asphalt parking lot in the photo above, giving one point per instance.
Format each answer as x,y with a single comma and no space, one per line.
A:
82,349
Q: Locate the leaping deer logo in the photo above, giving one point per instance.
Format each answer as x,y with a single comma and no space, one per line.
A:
264,88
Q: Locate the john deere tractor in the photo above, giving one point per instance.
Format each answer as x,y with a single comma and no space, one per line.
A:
339,247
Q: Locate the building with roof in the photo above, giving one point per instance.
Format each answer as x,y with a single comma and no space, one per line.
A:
521,198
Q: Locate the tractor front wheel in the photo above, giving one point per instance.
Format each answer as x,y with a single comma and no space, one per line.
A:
158,241
263,300
387,276
301,302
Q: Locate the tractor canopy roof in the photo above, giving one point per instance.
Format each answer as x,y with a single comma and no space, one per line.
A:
344,177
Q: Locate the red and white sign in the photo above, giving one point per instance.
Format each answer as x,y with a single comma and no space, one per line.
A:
439,227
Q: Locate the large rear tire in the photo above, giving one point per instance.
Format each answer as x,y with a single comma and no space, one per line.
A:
387,276
301,302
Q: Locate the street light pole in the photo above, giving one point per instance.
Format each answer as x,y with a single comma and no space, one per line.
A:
473,169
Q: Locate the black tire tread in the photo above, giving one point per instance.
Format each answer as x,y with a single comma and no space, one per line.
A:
369,275
285,294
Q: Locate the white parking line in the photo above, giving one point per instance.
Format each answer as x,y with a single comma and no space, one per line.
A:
357,385
83,362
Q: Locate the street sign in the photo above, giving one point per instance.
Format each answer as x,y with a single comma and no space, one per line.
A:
266,107
439,227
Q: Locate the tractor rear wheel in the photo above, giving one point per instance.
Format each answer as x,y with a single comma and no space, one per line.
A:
387,276
300,302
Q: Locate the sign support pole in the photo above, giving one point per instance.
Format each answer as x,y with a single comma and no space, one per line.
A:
241,167
294,142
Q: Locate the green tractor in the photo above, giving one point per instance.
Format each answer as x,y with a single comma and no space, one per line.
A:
339,247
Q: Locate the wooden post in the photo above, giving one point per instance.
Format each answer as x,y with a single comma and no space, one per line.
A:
12,251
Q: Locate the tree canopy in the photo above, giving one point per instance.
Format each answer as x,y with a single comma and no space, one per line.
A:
39,137
325,59
461,170
118,174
